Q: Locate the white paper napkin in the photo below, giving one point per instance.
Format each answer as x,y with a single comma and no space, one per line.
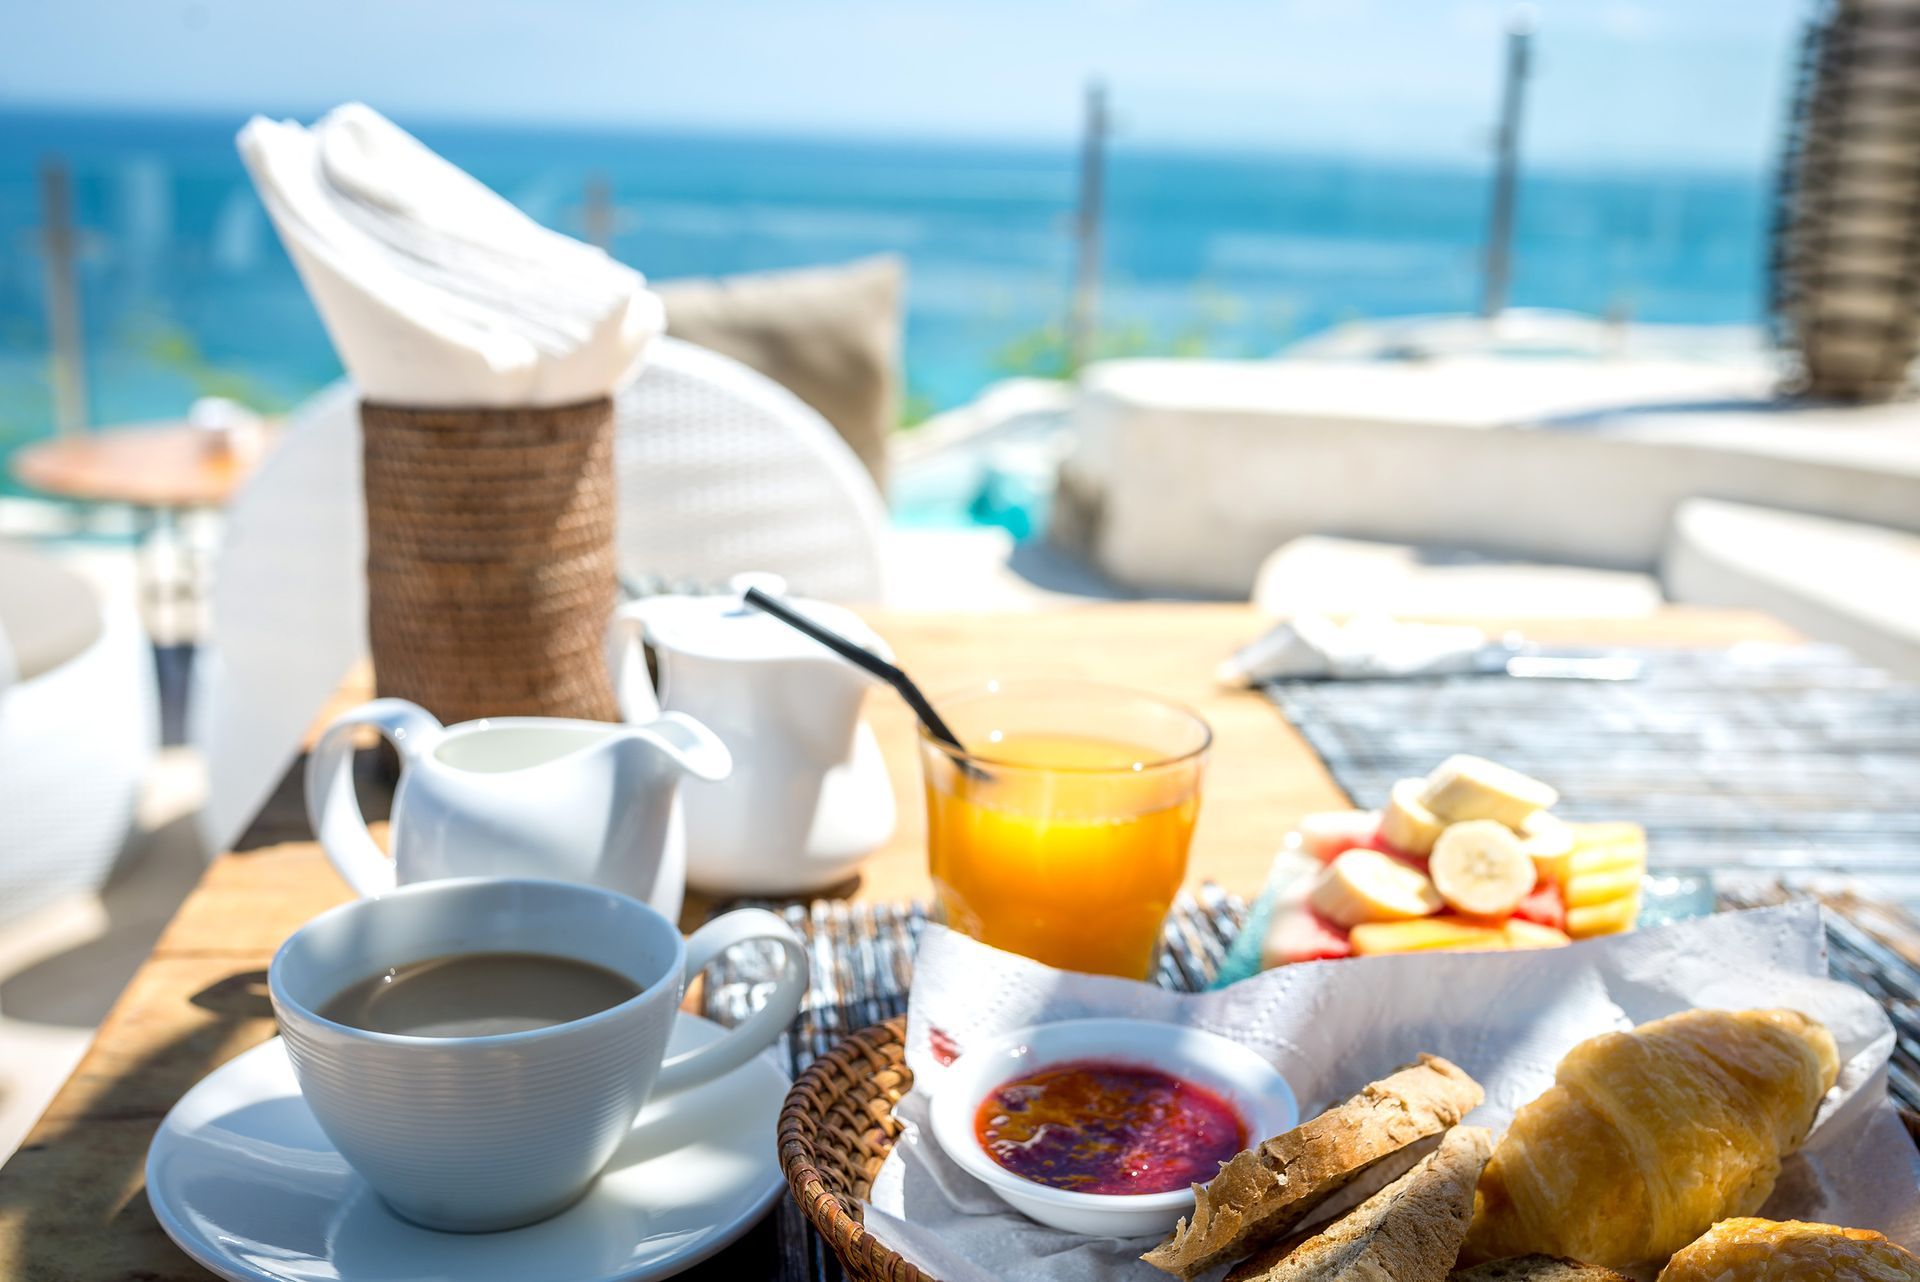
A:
1331,1027
1313,645
436,291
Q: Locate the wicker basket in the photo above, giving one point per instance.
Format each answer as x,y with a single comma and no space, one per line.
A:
490,558
837,1127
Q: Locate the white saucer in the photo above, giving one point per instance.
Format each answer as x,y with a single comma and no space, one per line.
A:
242,1178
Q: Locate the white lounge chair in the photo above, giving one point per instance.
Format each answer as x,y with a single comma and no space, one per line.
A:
79,725
720,471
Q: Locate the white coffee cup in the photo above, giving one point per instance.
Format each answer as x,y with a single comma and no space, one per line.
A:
476,1133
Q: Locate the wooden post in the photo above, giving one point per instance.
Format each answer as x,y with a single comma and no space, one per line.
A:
1084,319
596,212
1506,170
67,342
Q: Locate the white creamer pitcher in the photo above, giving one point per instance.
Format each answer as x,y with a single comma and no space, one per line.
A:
809,797
582,801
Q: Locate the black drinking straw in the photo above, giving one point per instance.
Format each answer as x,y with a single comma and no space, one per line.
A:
861,657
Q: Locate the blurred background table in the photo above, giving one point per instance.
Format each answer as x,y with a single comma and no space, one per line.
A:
156,467
165,473
72,1204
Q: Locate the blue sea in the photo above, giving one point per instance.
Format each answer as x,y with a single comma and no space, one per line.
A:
186,290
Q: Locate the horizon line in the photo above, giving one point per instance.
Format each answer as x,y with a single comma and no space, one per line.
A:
1168,145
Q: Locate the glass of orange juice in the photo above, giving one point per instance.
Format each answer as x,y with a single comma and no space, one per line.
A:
1061,833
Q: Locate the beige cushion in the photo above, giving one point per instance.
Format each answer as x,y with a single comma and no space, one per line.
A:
830,335
48,614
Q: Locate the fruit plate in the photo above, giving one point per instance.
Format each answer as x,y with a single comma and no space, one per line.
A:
1664,897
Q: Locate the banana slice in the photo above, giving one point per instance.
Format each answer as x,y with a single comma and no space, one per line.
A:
1325,834
1465,787
1365,885
1609,918
1549,842
1479,868
1406,824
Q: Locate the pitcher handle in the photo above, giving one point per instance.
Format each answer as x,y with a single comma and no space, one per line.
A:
760,1029
627,664
333,812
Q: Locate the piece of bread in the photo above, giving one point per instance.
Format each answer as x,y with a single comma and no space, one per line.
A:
1261,1194
1744,1250
1537,1268
1647,1138
1410,1231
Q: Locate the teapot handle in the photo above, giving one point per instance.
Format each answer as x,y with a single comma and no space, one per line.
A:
627,663
333,811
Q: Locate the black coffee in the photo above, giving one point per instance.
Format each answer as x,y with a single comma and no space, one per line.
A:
478,995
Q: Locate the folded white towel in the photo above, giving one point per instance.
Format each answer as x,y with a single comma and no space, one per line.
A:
435,290
1314,646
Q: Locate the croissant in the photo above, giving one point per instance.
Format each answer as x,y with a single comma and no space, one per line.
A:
1790,1251
1647,1138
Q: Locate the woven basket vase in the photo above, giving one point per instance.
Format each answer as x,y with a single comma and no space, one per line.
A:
490,558
837,1127
1846,244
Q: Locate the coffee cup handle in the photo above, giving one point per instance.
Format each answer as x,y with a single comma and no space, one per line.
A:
760,1029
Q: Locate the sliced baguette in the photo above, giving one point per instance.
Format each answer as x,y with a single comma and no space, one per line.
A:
1410,1231
1264,1192
1537,1268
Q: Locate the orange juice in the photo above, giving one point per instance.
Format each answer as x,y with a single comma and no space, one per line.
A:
1065,848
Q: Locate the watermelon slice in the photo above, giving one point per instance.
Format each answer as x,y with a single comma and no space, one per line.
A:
1545,906
1300,934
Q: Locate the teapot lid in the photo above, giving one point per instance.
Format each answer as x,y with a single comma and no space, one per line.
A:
724,627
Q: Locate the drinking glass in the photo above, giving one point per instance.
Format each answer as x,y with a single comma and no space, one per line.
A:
1061,833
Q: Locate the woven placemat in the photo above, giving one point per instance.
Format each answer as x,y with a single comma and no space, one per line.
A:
862,959
1782,759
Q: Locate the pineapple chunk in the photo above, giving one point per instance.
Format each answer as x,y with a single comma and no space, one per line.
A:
1595,848
1609,918
1584,890
1426,934
1531,934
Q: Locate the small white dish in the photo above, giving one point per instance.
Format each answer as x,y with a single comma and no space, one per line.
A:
242,1178
1254,1087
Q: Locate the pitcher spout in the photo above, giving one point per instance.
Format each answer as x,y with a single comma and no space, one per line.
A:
687,743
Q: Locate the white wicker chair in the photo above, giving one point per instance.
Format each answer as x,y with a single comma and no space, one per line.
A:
75,743
288,607
720,470
723,470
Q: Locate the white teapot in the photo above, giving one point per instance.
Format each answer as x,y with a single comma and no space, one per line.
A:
809,797
583,801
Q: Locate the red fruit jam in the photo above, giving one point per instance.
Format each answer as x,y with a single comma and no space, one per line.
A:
1095,1126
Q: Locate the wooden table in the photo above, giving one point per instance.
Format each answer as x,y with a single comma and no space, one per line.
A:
161,471
159,466
72,1204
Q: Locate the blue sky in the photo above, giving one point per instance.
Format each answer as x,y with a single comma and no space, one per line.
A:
1657,83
